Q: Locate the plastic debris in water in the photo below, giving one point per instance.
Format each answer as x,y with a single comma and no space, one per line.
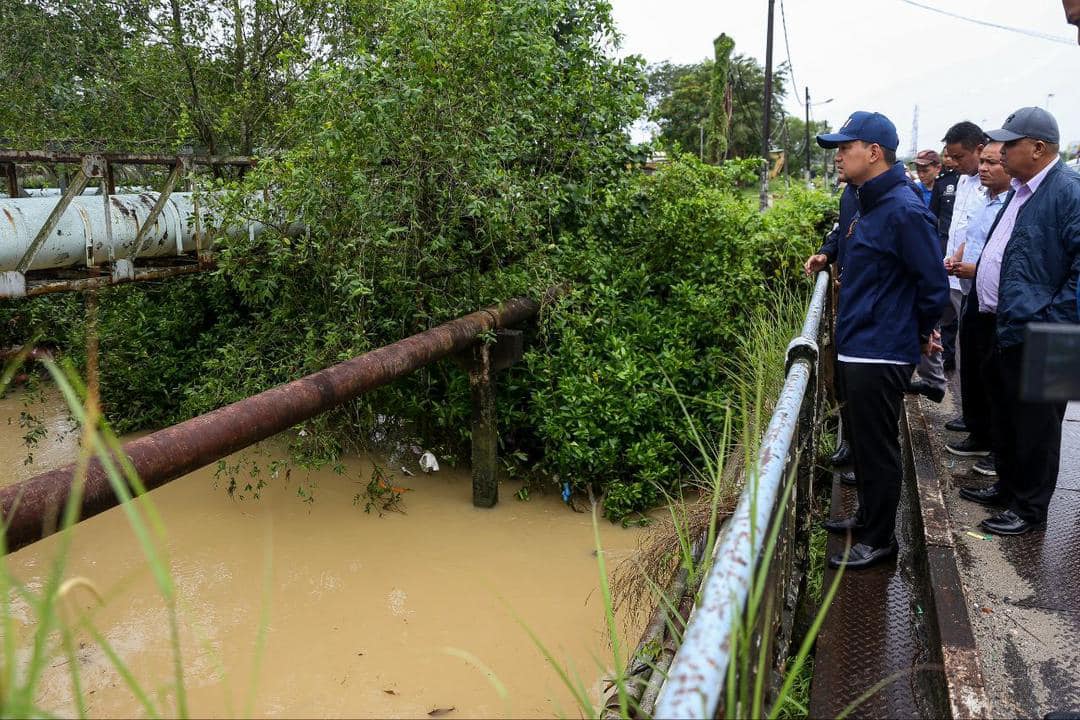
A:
566,492
428,463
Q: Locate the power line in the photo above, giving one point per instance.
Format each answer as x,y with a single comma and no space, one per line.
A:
987,23
787,49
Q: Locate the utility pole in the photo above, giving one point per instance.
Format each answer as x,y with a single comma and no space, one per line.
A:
807,134
768,111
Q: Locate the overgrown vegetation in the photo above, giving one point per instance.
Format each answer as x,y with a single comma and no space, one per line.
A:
444,155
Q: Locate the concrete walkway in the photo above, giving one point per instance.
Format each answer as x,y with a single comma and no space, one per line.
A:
1023,593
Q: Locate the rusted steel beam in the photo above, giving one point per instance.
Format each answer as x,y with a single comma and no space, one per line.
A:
151,219
45,287
120,158
175,451
91,167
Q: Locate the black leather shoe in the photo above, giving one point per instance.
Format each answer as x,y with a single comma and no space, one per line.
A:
842,456
847,478
921,387
957,425
968,447
984,496
986,466
861,556
840,526
1009,523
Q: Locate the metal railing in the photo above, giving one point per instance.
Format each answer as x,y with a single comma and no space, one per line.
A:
695,683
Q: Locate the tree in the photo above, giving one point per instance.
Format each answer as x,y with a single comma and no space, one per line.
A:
158,73
793,142
681,97
720,100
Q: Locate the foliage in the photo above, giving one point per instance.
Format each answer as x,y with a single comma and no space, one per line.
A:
720,98
439,166
666,275
445,155
681,97
154,339
380,495
159,73
793,141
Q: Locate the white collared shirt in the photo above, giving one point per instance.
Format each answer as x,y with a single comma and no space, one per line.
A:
970,198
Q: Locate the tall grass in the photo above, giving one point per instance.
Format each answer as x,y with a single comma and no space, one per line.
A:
55,617
679,551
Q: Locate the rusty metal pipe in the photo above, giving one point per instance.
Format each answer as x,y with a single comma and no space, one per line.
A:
177,450
45,287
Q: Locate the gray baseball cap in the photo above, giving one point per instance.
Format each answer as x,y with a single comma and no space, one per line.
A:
1028,122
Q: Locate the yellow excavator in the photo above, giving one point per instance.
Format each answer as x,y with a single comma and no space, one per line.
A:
778,157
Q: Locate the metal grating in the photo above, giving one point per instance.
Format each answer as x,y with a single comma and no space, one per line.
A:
873,632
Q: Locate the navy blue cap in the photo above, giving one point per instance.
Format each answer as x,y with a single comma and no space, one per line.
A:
869,127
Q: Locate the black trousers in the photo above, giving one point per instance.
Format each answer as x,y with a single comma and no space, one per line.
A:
977,338
1026,437
874,397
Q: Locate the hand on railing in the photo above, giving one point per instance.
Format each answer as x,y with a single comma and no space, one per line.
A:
815,263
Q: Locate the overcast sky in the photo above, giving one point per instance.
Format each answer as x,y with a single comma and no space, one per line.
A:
884,55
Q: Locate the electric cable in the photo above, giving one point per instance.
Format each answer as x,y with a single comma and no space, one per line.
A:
787,49
987,23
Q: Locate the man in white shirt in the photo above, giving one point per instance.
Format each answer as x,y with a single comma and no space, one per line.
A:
973,343
964,143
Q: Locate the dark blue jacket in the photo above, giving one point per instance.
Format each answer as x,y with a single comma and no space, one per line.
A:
1041,264
894,286
849,205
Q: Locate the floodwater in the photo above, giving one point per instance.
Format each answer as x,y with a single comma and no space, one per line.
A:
403,615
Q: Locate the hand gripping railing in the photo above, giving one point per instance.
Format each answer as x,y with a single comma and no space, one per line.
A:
695,682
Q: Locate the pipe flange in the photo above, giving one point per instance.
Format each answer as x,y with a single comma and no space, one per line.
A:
801,348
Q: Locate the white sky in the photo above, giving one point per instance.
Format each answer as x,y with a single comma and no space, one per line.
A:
884,55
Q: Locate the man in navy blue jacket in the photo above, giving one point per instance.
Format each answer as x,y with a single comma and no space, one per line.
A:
893,291
1028,272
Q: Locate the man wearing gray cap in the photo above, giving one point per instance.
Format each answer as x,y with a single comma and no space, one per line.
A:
1028,272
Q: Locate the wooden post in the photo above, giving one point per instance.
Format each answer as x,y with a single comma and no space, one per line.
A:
485,434
482,361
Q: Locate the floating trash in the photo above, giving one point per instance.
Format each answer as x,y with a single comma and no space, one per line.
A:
428,463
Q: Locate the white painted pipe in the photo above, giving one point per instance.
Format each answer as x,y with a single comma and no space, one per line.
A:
80,237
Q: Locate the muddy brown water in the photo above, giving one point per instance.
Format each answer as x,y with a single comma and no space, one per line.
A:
365,616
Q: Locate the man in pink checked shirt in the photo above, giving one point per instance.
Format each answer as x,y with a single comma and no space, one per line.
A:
1028,272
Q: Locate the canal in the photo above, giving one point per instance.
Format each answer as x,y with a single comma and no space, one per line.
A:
406,614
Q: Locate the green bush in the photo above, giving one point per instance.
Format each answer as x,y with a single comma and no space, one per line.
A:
467,151
666,276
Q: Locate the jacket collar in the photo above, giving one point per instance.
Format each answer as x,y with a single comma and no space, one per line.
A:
872,191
